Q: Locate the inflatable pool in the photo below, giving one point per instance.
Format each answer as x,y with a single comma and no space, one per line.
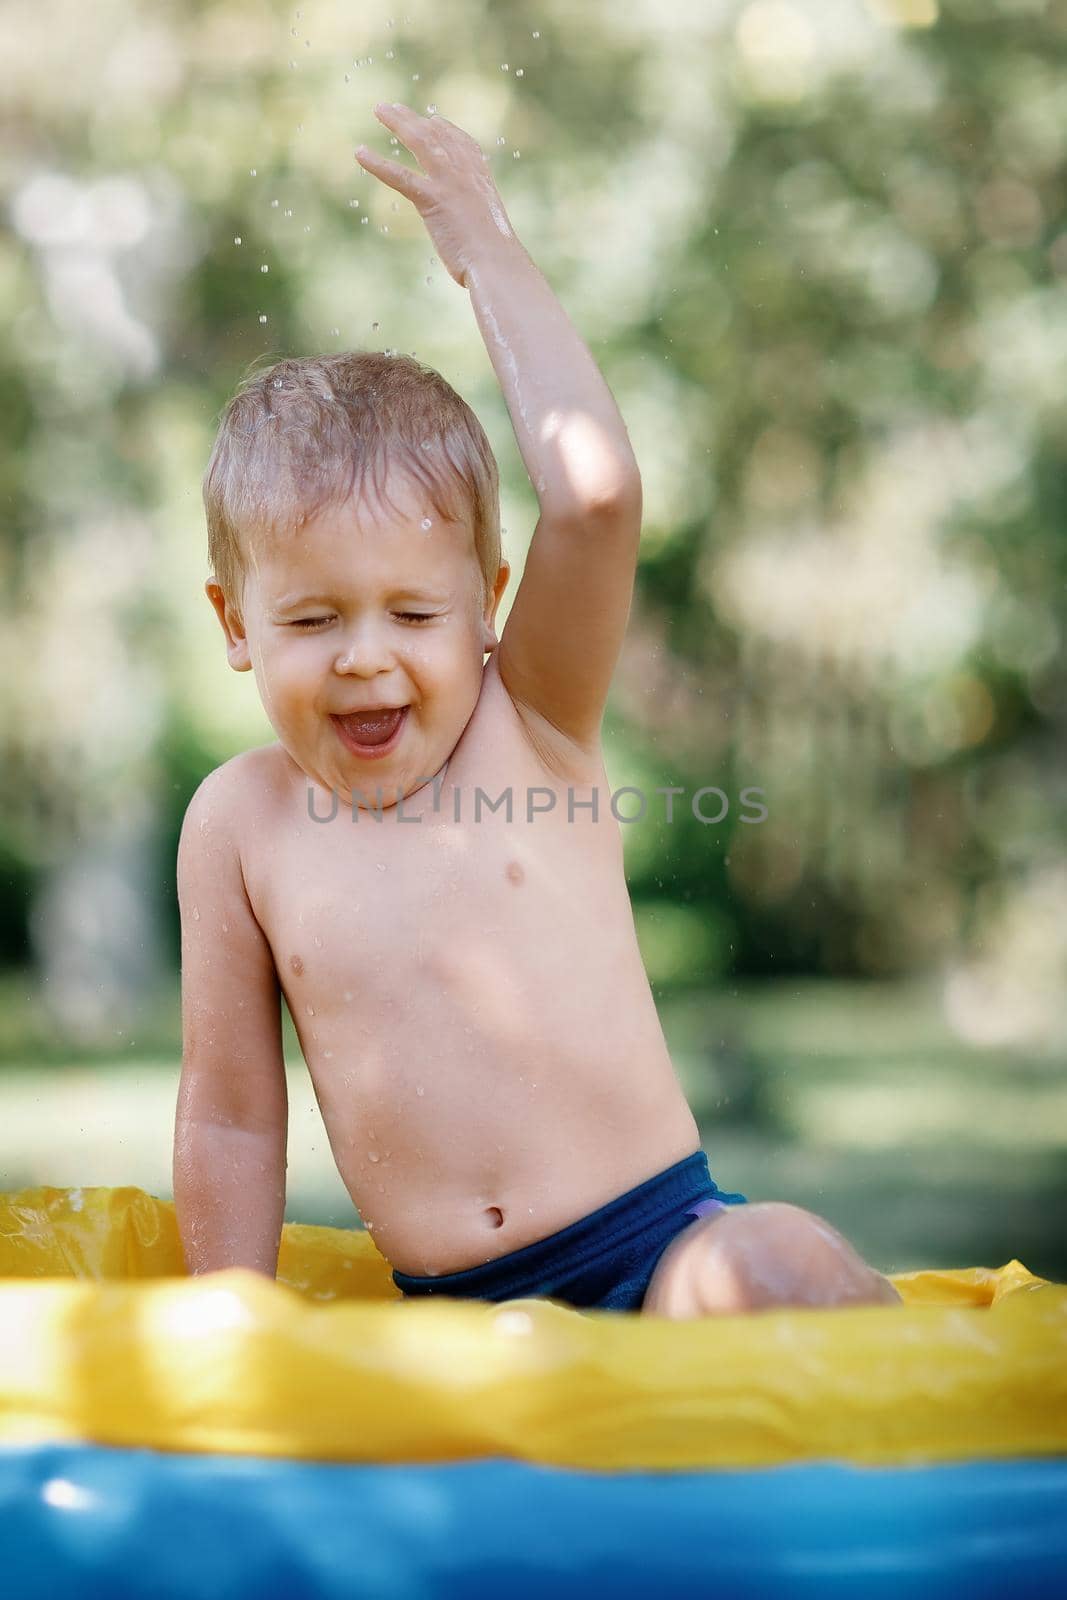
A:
318,1436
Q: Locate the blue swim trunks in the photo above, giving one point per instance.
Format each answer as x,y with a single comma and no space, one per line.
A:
605,1260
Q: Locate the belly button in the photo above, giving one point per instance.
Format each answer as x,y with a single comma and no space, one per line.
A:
515,872
496,1217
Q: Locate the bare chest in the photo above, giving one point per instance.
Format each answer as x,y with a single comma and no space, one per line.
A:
476,898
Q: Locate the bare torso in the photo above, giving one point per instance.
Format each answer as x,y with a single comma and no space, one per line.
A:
469,996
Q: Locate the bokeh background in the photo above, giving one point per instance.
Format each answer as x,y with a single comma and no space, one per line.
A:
819,249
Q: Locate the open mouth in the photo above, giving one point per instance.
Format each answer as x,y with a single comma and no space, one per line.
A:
371,733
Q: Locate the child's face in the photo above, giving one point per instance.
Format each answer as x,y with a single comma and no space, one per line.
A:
360,609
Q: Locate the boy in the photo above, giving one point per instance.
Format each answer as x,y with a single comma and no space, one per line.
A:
467,989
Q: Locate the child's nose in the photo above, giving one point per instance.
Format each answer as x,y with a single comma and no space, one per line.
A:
366,650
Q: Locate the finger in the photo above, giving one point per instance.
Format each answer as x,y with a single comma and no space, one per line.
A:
394,113
403,179
407,124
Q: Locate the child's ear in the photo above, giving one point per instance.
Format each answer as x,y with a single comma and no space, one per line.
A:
490,640
232,626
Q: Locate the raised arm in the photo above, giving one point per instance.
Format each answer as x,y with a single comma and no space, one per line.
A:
565,629
232,1114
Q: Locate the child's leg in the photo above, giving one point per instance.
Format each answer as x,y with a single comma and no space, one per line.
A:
759,1256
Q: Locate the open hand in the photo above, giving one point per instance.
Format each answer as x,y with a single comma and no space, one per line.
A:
454,193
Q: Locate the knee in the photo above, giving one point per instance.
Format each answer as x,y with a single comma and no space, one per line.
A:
766,1254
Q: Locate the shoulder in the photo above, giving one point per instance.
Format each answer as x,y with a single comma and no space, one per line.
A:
233,794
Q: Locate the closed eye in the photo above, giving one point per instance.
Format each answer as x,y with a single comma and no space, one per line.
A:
404,616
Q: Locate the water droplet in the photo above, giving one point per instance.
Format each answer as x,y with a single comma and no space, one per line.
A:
500,139
415,77
354,205
372,1155
537,33
318,941
429,280
274,205
515,155
427,522
520,72
431,111
277,383
389,55
348,994
237,238
364,220
328,1054
311,1011
384,228
336,332
251,172
196,913
381,866
419,1090
307,227
264,268
347,78
375,326
262,319
287,213
393,139
503,66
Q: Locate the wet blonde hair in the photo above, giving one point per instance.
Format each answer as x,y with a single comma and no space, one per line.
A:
304,435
